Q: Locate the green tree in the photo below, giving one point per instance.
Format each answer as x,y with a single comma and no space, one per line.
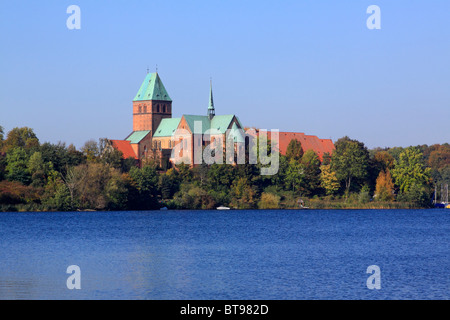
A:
62,200
294,150
169,183
145,181
116,190
295,175
36,167
278,179
243,196
2,135
220,177
350,161
60,156
410,170
2,165
311,165
326,158
17,166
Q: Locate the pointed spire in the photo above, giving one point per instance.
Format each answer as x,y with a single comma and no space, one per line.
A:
211,110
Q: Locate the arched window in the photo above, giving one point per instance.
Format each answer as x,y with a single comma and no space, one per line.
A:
140,109
164,108
145,109
157,108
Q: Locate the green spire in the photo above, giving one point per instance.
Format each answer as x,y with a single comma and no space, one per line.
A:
211,110
152,89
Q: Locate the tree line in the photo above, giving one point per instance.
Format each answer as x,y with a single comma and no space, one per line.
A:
38,176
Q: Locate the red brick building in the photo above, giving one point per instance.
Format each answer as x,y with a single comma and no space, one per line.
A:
154,127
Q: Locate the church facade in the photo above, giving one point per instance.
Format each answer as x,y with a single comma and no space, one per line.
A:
157,136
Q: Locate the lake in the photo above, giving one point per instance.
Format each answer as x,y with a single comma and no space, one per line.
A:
233,254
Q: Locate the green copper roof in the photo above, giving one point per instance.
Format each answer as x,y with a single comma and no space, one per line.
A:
219,123
152,89
167,127
190,119
211,100
137,136
237,134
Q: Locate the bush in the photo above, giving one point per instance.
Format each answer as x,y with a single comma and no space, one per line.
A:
269,201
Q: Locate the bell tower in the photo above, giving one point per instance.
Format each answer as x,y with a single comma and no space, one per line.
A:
151,104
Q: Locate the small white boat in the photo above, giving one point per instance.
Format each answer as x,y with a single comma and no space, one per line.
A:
223,208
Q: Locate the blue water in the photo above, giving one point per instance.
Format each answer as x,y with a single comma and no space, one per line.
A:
266,254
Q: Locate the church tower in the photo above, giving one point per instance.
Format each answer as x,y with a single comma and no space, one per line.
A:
151,104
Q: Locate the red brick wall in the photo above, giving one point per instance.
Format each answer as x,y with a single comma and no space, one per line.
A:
147,115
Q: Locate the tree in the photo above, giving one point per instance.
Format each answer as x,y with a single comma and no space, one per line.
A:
169,183
410,170
294,150
269,201
21,137
36,167
311,165
17,166
328,180
91,150
220,177
295,175
2,165
60,156
326,158
73,181
383,160
145,181
384,190
350,161
243,195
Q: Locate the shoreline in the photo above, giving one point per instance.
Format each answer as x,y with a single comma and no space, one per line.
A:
231,209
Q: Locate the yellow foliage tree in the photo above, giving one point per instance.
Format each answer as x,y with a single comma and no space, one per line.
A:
384,190
328,180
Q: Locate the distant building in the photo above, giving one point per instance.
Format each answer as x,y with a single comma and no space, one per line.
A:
319,146
153,136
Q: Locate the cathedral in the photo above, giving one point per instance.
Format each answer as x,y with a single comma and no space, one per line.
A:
155,135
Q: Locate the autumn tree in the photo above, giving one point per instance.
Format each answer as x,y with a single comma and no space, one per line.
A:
383,160
20,137
328,180
269,201
384,190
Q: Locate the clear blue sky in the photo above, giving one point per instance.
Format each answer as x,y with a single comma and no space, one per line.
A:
306,66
